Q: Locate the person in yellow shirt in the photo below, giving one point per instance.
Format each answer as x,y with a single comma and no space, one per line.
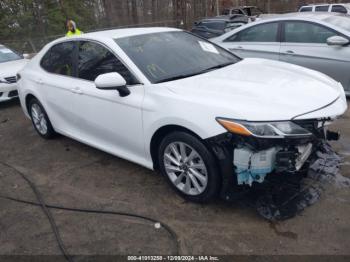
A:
72,29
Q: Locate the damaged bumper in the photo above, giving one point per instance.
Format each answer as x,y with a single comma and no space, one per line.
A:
253,166
248,160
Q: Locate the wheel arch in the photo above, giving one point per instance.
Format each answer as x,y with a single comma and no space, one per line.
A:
161,133
28,98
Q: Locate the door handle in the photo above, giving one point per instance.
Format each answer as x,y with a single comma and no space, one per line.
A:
77,90
290,52
239,47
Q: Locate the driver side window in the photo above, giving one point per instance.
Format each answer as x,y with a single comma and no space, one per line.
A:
303,32
94,60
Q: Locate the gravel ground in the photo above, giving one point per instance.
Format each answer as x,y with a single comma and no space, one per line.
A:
74,175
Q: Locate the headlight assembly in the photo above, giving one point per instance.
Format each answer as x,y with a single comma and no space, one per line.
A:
263,129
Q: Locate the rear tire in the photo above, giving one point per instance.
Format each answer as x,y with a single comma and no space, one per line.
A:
189,167
40,120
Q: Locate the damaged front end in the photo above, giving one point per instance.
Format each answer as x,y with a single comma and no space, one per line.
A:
252,152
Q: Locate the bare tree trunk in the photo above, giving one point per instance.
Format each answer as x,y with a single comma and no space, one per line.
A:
154,10
134,12
63,10
146,10
107,6
217,7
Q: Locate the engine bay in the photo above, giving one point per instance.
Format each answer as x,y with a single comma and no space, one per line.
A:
269,173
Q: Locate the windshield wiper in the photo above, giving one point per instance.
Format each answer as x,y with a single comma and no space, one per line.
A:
177,77
217,67
198,73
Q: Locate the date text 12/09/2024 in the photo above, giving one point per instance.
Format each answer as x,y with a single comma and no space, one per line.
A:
173,258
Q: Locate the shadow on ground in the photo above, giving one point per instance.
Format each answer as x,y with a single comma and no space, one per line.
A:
71,174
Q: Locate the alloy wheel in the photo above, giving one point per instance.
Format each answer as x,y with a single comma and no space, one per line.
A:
185,168
39,119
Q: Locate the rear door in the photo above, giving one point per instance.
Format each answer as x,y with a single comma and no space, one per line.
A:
56,84
262,40
305,44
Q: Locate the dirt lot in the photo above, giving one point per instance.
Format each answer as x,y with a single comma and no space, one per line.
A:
71,174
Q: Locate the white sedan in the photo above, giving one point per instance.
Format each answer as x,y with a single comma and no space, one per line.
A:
10,64
171,101
319,41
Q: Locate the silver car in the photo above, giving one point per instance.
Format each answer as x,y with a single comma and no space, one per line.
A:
319,41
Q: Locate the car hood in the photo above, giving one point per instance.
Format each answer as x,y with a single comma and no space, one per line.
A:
11,68
260,90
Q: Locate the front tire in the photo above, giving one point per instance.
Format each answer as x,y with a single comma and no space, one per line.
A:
40,120
189,167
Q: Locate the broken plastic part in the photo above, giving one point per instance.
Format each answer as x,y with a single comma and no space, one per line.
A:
332,136
280,199
253,166
282,195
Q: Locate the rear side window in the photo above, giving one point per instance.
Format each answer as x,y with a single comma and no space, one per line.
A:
259,33
60,59
94,60
339,9
301,32
322,8
306,9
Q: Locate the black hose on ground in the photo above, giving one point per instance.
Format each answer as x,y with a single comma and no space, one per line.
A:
46,209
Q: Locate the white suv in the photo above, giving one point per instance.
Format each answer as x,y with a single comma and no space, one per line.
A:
336,8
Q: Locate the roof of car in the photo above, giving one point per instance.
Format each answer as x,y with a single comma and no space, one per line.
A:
239,7
317,4
225,18
318,16
127,32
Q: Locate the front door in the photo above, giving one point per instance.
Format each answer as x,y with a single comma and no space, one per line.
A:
305,44
103,118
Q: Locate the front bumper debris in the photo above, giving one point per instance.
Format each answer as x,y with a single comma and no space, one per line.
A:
281,198
271,174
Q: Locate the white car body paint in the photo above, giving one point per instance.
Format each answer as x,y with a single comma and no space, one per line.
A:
9,69
253,89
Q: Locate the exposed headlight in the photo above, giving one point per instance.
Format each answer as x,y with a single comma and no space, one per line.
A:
263,129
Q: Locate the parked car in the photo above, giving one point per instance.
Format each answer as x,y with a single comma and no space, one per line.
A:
169,100
250,11
216,26
337,8
10,63
314,40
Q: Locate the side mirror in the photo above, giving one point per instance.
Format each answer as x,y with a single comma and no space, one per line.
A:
337,41
112,81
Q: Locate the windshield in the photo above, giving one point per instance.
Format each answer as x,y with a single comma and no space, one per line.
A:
341,21
7,55
174,55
